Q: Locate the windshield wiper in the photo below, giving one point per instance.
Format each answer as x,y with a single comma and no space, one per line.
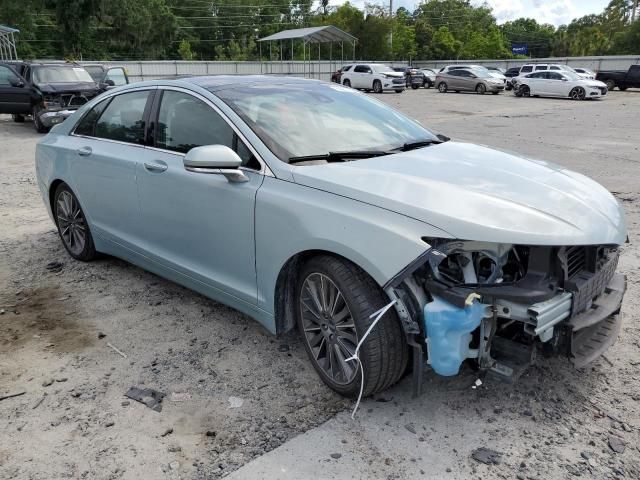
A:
418,144
339,156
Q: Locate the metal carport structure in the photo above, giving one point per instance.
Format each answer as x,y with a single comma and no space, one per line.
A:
8,43
311,35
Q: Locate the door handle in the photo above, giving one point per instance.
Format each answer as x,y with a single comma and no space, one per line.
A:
156,166
84,151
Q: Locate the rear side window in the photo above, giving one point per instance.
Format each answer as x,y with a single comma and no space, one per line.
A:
362,69
541,67
88,122
526,68
554,68
347,68
123,119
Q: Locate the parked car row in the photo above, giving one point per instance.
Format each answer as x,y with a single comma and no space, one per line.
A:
51,92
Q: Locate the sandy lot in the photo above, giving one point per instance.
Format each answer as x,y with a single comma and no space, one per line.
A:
234,392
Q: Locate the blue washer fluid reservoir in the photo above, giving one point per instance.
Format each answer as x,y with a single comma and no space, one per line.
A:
449,333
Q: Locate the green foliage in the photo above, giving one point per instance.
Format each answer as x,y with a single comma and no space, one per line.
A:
228,30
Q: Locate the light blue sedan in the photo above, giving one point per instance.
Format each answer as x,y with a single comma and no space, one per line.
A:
307,204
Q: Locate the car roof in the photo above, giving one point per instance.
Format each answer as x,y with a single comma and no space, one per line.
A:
217,82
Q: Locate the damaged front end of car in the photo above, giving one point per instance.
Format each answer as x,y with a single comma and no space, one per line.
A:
499,304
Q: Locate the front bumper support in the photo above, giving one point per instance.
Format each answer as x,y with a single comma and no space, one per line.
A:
50,119
596,329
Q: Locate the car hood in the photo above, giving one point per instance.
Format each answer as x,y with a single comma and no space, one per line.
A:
593,83
68,87
392,74
477,193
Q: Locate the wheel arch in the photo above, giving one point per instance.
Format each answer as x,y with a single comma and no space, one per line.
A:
287,280
52,192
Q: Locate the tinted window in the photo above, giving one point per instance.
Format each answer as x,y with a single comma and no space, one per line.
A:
7,75
554,68
537,75
60,74
361,69
117,76
88,122
464,73
185,122
554,76
527,68
541,67
123,119
347,68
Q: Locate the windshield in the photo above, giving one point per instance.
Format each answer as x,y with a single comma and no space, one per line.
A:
61,74
571,75
315,119
382,68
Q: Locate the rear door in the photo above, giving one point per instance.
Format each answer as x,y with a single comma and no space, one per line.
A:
362,76
105,148
14,99
466,80
556,86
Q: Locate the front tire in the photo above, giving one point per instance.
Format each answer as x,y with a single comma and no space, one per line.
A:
377,86
72,225
611,84
578,93
415,86
399,90
347,83
17,118
39,126
442,87
335,300
481,89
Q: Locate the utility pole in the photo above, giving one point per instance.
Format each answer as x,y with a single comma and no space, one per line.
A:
391,33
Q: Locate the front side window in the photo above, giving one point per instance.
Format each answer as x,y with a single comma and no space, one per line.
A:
526,68
7,76
123,119
117,76
362,69
299,120
186,122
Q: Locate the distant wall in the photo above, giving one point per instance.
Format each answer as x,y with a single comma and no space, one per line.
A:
150,70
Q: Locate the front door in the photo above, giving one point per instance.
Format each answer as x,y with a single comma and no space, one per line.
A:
199,224
13,98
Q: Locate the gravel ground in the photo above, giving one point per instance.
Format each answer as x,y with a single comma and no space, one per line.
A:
234,392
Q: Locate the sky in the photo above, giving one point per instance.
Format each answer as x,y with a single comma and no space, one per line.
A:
556,12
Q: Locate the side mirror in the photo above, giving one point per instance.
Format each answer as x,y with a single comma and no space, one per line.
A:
109,83
564,79
16,82
217,160
443,138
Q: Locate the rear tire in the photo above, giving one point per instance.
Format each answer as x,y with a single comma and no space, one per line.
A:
611,84
17,118
415,86
622,89
331,325
442,87
399,90
72,224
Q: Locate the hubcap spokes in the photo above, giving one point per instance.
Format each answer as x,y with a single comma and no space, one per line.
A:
329,328
71,222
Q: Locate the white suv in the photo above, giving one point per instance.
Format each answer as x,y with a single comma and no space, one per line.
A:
373,76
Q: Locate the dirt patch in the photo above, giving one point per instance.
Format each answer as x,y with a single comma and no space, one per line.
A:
45,316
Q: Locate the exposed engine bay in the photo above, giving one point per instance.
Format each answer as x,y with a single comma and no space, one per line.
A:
499,304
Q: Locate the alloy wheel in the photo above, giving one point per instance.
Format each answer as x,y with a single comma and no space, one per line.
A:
329,327
71,221
578,93
377,86
480,89
442,87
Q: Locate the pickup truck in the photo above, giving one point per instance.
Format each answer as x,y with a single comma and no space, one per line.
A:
620,78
